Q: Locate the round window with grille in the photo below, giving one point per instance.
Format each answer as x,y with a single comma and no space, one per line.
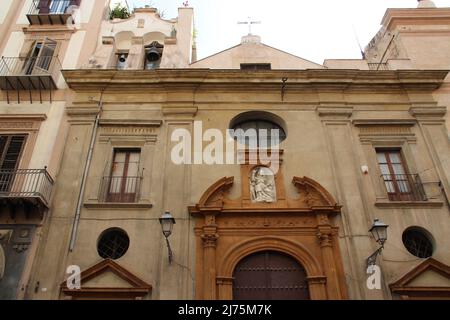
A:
113,243
418,242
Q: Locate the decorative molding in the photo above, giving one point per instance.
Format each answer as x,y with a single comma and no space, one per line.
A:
117,206
214,196
125,132
345,112
174,110
25,117
269,222
379,130
384,122
435,112
130,122
408,204
82,111
314,195
209,240
235,80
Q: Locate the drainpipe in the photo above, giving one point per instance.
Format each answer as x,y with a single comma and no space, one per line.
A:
76,221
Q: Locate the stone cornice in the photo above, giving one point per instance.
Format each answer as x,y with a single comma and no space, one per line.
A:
437,112
416,16
130,122
23,117
191,79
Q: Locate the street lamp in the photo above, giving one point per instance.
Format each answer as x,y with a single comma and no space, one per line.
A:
167,221
379,233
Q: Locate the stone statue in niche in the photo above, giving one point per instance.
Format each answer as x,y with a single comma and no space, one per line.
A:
262,185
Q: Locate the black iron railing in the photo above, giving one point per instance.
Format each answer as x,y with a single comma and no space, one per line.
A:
26,66
26,183
120,189
50,6
404,187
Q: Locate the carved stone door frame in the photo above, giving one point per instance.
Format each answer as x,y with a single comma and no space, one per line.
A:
229,230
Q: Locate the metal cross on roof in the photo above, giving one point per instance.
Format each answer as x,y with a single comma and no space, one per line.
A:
249,23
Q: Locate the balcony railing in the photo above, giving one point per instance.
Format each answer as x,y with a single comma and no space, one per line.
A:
404,187
26,183
25,73
50,11
120,189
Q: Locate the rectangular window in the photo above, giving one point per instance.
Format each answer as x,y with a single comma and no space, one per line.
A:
256,66
400,185
124,180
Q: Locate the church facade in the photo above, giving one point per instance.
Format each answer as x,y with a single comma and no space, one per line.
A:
272,168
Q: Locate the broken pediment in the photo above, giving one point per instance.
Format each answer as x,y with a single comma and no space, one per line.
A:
313,197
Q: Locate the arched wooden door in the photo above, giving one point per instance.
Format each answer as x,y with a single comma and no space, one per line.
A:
269,275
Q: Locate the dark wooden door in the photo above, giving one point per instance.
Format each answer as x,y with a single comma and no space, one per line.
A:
270,275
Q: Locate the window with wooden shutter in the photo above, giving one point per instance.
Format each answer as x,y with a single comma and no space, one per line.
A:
124,180
11,148
400,184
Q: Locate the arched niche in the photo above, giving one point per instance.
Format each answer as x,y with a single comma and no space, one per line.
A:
123,40
150,37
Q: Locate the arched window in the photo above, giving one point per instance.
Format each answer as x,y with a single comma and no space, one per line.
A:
258,129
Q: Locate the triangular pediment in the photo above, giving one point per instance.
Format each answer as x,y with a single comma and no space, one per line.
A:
108,277
430,276
255,53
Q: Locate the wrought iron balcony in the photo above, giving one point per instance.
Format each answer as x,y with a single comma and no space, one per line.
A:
30,185
50,11
404,187
120,189
36,73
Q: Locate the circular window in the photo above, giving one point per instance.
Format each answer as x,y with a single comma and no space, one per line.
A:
258,129
418,242
113,243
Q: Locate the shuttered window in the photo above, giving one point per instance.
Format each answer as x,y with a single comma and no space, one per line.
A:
10,151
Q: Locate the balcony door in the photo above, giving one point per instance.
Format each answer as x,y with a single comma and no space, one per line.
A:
124,178
11,148
396,178
40,58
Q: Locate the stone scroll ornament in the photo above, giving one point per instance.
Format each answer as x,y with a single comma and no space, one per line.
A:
262,185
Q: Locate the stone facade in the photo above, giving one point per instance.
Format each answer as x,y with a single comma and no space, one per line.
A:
33,95
339,120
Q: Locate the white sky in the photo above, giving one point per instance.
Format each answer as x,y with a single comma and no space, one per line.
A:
312,29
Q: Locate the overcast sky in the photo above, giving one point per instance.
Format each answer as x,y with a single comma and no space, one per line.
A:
312,29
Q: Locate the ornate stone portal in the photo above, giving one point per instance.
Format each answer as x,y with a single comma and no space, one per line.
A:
229,230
